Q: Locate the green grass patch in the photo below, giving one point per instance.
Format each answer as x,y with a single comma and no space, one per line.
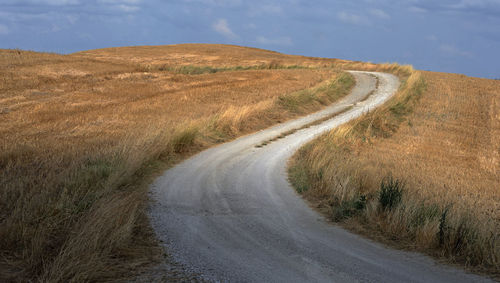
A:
299,177
199,70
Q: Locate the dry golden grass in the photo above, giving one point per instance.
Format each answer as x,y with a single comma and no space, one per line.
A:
82,134
203,55
445,149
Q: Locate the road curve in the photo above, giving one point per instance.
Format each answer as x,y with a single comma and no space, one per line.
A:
229,213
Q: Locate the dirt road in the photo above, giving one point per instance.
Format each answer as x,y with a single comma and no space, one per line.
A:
230,214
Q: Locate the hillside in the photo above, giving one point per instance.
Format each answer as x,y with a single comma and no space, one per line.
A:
436,152
203,55
81,135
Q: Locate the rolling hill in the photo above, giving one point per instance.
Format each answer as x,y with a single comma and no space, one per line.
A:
83,135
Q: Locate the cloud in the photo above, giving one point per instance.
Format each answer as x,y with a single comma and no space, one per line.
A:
465,4
481,7
381,14
26,17
416,9
55,2
127,8
251,26
120,1
284,41
55,28
222,27
272,9
432,37
220,3
350,18
72,19
4,30
267,9
452,50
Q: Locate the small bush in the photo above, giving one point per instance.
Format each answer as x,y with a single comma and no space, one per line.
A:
390,193
348,209
360,203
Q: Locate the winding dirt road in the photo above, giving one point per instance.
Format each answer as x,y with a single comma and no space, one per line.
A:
230,214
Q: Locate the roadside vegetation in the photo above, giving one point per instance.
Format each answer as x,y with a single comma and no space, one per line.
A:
420,173
82,136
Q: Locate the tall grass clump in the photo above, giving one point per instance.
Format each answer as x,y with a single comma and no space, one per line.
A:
390,193
184,139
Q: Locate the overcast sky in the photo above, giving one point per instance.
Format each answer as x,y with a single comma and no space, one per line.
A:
460,36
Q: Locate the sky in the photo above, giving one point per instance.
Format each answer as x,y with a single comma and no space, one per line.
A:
459,36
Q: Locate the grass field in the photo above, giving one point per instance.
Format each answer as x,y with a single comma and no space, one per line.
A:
420,173
82,135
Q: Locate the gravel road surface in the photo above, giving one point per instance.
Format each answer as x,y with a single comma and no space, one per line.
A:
230,215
